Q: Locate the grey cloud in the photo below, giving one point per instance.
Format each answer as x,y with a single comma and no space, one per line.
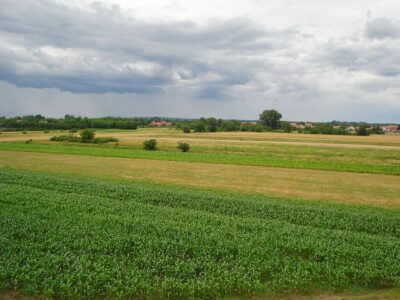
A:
379,57
376,51
100,50
381,28
212,92
377,85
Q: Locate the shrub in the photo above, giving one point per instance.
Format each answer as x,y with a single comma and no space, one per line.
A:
103,140
150,145
199,127
65,138
24,132
87,135
30,141
46,131
184,147
376,130
186,129
362,130
285,126
258,128
75,139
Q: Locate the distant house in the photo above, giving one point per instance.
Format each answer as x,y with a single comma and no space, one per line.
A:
350,128
161,123
294,125
251,123
391,128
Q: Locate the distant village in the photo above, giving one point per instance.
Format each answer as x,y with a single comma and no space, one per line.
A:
296,126
351,128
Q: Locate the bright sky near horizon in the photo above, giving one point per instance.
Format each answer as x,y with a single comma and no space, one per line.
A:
310,59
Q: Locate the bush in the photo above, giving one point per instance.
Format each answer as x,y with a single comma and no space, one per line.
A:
258,128
24,132
286,127
186,129
362,130
75,139
87,135
150,145
30,141
184,147
46,131
103,140
199,127
376,130
65,138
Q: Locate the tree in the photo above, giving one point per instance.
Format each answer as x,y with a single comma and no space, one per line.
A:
184,147
362,130
230,125
285,126
199,126
87,135
258,128
376,130
270,118
150,145
186,129
212,124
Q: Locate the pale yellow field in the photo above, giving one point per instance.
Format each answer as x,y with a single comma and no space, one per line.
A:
371,189
390,141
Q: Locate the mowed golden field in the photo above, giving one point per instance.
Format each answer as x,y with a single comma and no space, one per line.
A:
349,169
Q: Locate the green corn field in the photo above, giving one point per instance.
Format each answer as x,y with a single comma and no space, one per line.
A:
78,238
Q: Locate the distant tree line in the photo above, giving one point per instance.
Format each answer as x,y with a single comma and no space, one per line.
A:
208,125
39,122
269,120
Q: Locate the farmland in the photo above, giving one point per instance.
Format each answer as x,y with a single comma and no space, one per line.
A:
241,214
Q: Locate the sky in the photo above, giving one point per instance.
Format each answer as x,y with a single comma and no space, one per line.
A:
312,60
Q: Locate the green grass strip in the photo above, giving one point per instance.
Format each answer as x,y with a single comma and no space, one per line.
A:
266,160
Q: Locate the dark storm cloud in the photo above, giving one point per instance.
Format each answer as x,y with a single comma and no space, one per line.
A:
100,50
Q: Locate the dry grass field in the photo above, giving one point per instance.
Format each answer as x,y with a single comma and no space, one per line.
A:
372,189
249,176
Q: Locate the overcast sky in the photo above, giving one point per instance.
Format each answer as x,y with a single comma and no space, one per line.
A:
310,59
